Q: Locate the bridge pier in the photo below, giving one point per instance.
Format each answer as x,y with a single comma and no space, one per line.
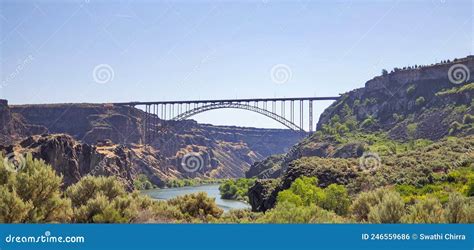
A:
310,116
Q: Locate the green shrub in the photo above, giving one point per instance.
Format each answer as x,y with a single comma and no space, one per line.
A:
411,89
411,129
104,200
240,216
468,119
420,101
455,127
289,197
470,188
33,194
397,117
12,208
236,189
346,111
336,199
428,210
91,187
198,206
390,210
364,202
369,121
303,191
459,209
142,183
286,212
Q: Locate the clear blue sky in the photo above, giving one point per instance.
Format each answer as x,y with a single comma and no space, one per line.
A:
177,50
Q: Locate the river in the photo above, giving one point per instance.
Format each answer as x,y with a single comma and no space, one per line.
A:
212,190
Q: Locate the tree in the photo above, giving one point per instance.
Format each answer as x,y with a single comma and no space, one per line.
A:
384,72
236,189
306,188
336,199
289,197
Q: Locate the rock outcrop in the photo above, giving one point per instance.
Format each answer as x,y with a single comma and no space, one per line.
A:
74,160
410,96
399,107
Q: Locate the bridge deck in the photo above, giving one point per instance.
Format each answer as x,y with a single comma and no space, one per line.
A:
232,100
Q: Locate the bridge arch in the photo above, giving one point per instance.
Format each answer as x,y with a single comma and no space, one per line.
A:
234,105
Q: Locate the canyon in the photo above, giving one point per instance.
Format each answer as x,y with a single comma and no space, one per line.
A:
103,139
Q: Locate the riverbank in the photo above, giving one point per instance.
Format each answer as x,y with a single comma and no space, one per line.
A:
212,191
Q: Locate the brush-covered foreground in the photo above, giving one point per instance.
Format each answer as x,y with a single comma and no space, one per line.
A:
34,194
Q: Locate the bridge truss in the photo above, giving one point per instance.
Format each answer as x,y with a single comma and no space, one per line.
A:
289,112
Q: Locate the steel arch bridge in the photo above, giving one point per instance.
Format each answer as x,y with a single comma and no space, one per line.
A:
280,119
283,110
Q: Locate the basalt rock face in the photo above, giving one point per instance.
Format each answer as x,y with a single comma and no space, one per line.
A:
7,130
222,151
13,127
86,122
74,160
409,96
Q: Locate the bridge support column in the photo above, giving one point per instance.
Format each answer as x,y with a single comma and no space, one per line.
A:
310,116
292,111
301,114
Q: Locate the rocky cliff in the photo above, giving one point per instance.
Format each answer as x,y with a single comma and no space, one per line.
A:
223,151
396,113
74,160
416,96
